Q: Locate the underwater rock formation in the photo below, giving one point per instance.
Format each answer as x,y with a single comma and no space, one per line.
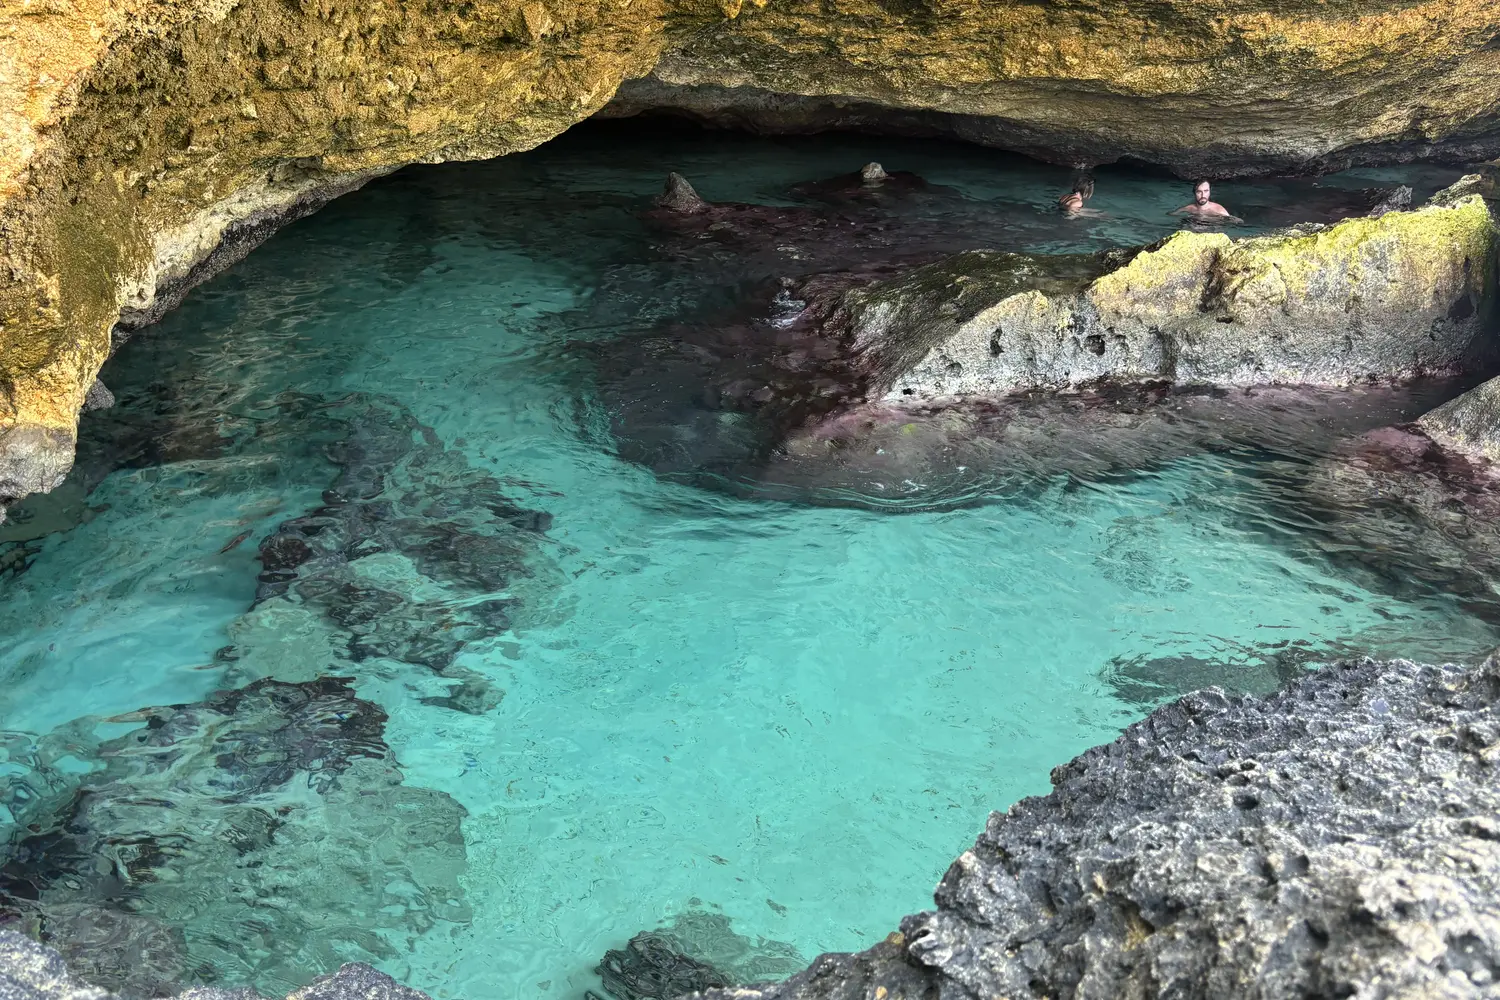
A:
272,819
30,971
697,951
1337,838
136,138
473,567
768,395
649,968
1394,296
1407,514
875,228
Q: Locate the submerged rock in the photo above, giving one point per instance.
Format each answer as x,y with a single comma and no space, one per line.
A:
1394,296
414,553
30,971
871,184
650,968
1337,838
200,816
888,221
698,951
1409,515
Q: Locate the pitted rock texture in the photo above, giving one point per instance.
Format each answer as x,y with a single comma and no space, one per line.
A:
30,971
136,137
1395,296
1338,838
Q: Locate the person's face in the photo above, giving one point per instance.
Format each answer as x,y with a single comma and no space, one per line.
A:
1200,193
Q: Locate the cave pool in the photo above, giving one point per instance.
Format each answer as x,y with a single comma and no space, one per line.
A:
703,703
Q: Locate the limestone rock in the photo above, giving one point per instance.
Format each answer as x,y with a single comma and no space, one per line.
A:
1219,90
1469,424
30,971
1393,296
1335,839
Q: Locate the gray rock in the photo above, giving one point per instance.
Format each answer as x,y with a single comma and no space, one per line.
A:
678,196
30,971
356,981
1397,199
1470,424
98,398
1339,838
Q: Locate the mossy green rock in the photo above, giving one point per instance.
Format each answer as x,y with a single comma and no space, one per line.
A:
1402,295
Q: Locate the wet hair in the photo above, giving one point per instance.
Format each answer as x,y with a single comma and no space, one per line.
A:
1084,185
1199,184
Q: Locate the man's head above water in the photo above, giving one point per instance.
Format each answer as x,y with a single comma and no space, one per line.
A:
1204,206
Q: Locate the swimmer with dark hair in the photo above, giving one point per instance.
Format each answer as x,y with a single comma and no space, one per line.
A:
1204,207
1083,189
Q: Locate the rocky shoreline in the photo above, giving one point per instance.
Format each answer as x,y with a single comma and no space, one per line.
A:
1336,838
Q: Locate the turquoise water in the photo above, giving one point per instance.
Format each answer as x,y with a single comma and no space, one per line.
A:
677,697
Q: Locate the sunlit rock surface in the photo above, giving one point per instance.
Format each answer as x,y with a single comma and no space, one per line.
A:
1335,839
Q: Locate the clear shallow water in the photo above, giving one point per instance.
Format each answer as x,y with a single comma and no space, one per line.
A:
674,700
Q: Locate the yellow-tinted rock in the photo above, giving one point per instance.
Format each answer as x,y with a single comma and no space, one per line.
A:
1199,86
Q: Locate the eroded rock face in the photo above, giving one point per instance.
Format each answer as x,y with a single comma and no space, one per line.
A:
1335,839
1470,424
1234,88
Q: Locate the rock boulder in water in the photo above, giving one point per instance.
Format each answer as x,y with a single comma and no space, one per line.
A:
697,951
1404,294
1470,424
651,968
1338,838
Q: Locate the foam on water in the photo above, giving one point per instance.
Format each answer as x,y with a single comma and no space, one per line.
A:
793,715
